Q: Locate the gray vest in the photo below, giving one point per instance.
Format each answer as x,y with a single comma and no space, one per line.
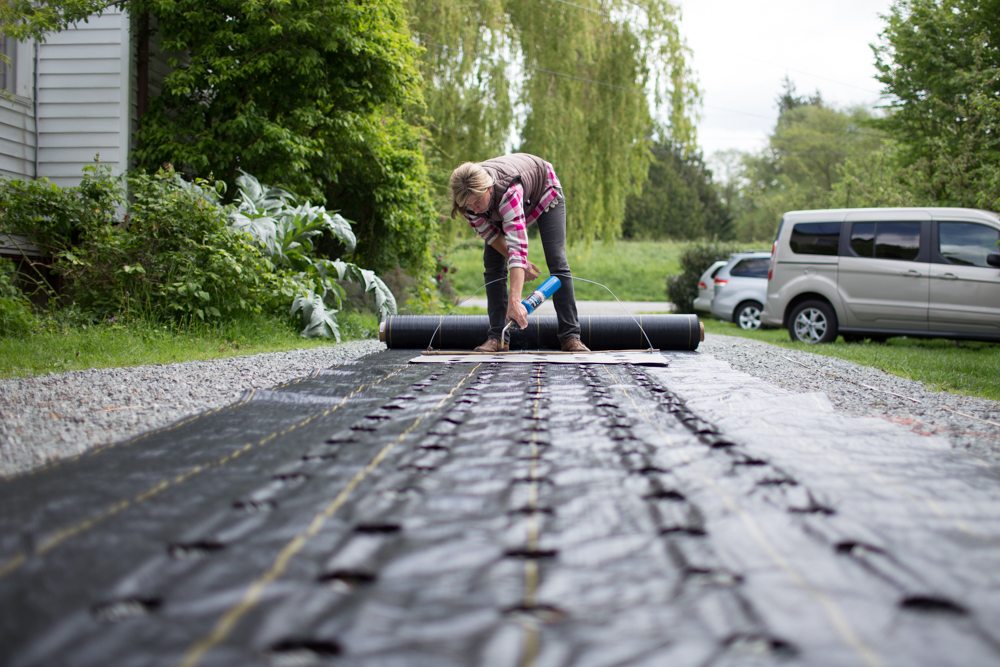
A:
530,170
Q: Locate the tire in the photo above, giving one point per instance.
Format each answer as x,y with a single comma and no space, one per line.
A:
813,322
747,315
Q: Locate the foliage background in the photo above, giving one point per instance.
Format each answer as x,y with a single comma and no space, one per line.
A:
587,86
367,106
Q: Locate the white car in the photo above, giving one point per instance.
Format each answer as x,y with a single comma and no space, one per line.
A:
706,287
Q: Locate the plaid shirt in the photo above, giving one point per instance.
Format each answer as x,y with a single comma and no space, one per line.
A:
515,222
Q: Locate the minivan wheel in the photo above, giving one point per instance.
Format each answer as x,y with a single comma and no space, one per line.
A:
747,315
813,322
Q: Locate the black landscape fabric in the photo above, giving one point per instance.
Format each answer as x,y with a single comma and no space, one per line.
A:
464,332
385,513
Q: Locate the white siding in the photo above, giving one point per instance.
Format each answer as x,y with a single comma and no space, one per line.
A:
17,140
17,121
83,93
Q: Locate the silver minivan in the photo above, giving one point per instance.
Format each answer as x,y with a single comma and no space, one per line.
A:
879,272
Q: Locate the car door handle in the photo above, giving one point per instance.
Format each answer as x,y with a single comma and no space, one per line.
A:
911,274
948,276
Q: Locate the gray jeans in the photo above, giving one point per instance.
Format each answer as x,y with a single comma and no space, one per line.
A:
552,230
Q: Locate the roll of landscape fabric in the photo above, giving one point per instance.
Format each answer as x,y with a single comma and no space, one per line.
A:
464,332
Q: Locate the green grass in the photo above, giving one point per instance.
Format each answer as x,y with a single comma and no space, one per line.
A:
67,348
633,270
962,367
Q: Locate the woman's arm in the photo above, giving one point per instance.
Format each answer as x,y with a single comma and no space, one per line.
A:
531,272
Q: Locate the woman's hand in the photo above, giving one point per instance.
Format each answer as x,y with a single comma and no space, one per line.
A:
517,313
531,272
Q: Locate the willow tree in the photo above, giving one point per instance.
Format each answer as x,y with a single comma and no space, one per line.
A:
586,84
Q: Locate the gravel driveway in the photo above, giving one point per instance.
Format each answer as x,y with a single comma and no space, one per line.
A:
60,415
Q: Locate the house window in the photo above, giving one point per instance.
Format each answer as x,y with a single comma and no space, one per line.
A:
7,68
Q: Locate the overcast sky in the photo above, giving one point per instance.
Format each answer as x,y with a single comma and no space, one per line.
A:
743,49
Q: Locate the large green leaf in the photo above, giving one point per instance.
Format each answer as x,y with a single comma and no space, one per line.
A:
318,321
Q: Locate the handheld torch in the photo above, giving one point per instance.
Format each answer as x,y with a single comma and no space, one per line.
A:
548,287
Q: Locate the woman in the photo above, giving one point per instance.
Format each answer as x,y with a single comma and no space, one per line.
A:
500,198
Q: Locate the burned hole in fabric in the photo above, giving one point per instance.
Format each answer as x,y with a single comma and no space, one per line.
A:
650,470
540,612
666,494
252,506
857,549
364,427
303,652
531,511
118,610
378,528
683,530
341,439
420,468
348,578
319,457
718,443
531,554
194,548
930,604
748,461
291,478
760,644
813,507
712,576
776,482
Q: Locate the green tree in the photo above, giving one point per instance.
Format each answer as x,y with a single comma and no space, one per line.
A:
940,62
679,200
310,96
804,165
583,84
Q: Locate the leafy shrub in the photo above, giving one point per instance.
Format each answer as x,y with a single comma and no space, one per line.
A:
56,217
172,257
682,289
289,233
178,254
16,317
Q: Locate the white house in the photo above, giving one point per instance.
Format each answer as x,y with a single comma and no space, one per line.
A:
71,97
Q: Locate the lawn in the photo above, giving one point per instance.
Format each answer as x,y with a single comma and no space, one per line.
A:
630,270
59,348
962,367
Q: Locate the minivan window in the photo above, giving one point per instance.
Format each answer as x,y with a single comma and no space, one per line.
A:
751,268
863,239
897,240
815,238
886,240
966,243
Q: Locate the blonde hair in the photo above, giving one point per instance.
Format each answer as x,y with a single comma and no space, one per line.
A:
467,181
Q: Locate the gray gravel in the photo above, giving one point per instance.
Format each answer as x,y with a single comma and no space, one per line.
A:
60,415
63,414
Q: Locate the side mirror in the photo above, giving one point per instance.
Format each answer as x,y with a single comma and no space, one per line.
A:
993,259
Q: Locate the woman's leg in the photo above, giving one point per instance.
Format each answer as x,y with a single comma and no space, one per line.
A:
552,230
495,276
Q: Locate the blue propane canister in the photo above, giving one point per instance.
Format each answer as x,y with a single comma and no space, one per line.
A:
543,292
